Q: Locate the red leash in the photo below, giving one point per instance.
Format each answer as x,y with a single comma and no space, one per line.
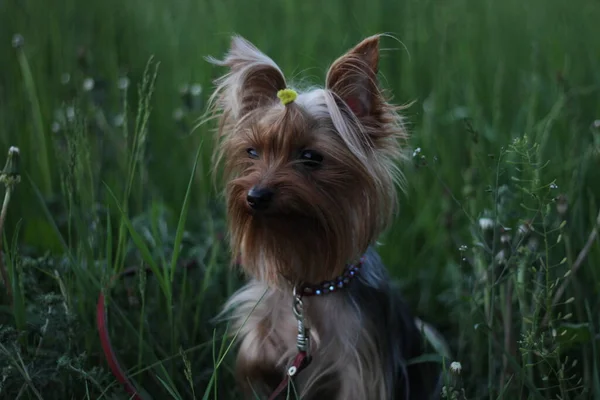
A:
300,362
111,358
102,326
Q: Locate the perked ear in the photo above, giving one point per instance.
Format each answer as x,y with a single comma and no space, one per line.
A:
253,79
353,76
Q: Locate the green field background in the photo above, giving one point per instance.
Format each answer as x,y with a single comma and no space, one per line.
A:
479,74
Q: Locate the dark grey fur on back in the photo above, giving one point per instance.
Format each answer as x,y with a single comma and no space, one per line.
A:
378,299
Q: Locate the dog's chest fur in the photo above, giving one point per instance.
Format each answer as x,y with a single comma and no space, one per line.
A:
346,362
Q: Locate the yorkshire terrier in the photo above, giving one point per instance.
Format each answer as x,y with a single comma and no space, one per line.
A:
311,183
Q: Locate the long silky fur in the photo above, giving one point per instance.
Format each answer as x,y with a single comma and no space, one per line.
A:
361,336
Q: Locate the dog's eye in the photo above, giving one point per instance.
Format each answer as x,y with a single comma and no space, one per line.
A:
311,158
252,152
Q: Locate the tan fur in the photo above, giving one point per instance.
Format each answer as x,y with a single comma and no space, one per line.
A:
340,341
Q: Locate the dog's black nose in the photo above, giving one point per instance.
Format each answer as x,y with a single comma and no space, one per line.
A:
259,198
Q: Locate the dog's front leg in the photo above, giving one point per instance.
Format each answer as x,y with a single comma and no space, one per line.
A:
256,366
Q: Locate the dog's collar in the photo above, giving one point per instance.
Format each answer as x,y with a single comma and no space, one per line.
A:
334,285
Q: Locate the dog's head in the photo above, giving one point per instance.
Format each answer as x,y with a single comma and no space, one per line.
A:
309,183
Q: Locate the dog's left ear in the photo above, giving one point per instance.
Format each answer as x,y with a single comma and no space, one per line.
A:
353,77
252,81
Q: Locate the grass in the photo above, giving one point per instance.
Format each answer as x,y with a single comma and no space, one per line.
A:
496,243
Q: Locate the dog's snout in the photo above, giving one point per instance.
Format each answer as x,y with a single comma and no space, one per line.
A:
259,198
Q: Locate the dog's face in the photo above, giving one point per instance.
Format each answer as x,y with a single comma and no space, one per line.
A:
309,184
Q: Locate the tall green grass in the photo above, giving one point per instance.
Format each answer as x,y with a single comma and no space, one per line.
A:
102,97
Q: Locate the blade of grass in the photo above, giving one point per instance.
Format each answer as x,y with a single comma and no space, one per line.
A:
595,352
145,92
231,343
40,139
42,204
171,390
142,247
183,216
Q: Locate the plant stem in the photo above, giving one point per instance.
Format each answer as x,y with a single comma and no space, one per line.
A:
7,283
10,177
574,268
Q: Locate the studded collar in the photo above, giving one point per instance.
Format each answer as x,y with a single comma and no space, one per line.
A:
333,285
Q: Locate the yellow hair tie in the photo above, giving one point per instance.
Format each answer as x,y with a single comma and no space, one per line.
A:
287,96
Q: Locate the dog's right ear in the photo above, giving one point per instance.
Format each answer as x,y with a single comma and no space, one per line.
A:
252,81
353,77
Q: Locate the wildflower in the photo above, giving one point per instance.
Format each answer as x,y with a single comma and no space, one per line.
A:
65,78
553,186
463,248
429,105
562,204
55,127
455,367
70,113
119,120
88,84
178,114
123,83
10,174
523,229
501,257
416,152
486,223
196,89
18,41
13,153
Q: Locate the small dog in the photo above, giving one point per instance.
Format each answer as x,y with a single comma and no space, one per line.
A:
311,180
